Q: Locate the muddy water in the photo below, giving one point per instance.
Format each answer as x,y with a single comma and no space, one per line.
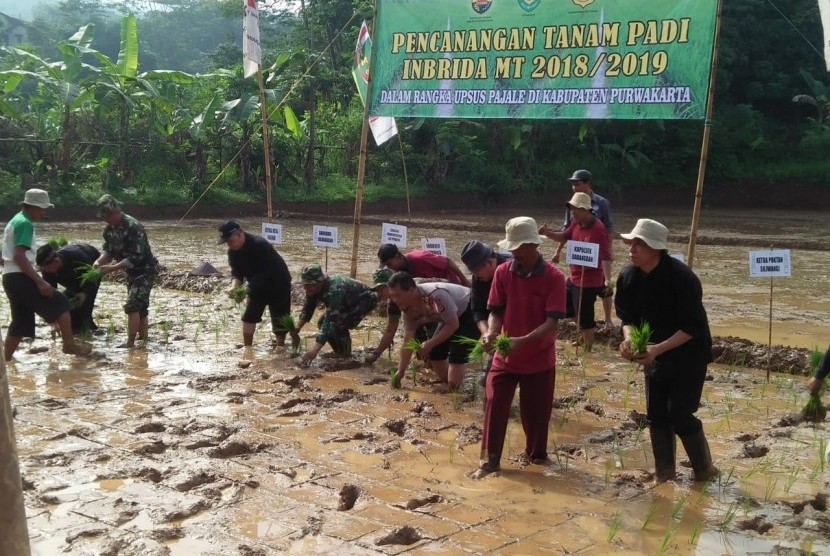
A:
196,446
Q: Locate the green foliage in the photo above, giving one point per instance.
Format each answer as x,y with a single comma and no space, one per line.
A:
239,293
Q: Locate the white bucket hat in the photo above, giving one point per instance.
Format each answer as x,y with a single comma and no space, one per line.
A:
518,231
654,234
580,201
37,198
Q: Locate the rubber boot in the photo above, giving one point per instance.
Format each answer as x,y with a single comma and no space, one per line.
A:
697,449
663,446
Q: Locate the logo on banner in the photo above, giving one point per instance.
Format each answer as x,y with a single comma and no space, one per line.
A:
530,5
481,6
583,3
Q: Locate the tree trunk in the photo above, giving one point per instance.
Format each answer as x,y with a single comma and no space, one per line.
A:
122,137
67,134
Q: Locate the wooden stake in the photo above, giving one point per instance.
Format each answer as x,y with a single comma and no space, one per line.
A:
769,341
704,147
405,179
579,311
361,161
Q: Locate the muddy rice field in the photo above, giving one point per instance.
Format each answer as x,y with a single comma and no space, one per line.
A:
193,445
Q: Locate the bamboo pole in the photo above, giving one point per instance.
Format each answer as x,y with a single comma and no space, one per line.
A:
266,147
361,163
14,538
704,147
405,178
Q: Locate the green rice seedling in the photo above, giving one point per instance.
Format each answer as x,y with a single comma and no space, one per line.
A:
413,344
88,273
452,453
394,379
728,517
413,370
196,333
76,300
665,543
455,396
769,487
640,335
822,451
614,528
652,511
58,242
791,479
216,331
286,324
503,344
110,330
609,469
678,507
693,536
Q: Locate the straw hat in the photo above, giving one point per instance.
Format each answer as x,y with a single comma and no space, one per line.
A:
520,230
654,234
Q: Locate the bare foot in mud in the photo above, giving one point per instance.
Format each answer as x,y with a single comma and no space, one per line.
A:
484,470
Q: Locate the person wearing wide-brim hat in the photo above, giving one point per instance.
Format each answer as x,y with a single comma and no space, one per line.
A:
347,302
582,181
28,292
527,299
64,266
662,291
255,262
585,284
126,243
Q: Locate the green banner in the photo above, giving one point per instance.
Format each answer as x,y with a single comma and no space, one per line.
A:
546,59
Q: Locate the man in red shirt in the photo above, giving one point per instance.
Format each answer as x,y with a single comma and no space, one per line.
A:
585,283
527,299
421,264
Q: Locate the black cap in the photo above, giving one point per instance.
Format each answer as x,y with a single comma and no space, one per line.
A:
226,230
45,255
387,251
475,254
581,175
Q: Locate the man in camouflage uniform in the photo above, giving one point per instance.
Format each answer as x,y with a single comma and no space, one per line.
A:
347,301
125,241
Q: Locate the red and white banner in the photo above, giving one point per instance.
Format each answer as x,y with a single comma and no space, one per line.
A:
250,39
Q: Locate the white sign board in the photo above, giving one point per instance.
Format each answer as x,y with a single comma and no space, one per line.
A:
393,233
770,263
324,236
679,256
272,232
583,254
435,245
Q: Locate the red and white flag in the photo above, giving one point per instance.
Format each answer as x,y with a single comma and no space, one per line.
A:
250,39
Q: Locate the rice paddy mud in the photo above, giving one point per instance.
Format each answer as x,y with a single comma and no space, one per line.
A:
195,445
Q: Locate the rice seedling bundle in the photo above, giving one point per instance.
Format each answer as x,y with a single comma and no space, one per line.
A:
239,294
640,335
286,324
88,273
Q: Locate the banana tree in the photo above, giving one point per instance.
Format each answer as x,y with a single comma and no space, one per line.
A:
70,81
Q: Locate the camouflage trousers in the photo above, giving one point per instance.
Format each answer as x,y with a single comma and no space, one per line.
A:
139,286
339,337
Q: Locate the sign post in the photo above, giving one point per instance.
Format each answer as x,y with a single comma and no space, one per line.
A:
325,236
272,232
393,233
772,263
582,254
435,245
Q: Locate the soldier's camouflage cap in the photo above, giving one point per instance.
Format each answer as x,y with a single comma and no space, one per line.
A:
313,274
381,276
107,204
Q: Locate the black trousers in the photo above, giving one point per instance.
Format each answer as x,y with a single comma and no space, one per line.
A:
673,397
